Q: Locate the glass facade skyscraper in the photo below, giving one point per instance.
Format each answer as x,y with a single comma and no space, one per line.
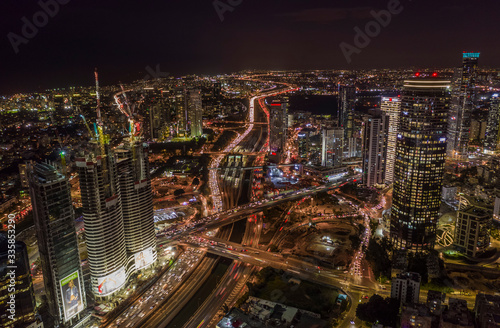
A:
103,219
392,107
137,204
50,194
419,165
463,99
23,294
492,137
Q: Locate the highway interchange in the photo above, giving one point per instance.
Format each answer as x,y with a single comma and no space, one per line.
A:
158,305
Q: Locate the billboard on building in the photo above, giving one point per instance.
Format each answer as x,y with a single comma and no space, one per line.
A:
144,258
110,283
71,293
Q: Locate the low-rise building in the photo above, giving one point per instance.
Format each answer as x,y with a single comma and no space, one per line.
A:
457,315
449,193
487,311
435,302
415,316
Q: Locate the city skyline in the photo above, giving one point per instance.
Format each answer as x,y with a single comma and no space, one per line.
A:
321,25
228,163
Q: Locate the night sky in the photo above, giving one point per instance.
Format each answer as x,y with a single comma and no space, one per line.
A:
123,37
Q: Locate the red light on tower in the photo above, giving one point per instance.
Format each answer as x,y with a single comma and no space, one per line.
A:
417,74
434,74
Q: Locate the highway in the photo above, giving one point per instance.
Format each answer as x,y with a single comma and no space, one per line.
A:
162,289
215,163
229,216
232,282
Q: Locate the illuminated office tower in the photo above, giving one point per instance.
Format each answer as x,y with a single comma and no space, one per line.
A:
24,295
392,107
179,102
492,138
463,99
278,114
137,204
375,129
50,193
419,166
346,103
195,113
304,140
332,146
103,220
158,120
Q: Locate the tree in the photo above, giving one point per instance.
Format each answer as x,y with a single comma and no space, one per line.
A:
179,192
379,309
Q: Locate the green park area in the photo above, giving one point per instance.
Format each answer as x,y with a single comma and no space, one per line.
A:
276,286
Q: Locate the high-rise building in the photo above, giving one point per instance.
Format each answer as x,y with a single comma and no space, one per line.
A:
346,103
50,193
332,146
472,227
375,128
463,99
406,287
492,138
137,204
392,107
278,120
419,166
103,221
179,102
17,298
195,113
23,175
304,140
158,119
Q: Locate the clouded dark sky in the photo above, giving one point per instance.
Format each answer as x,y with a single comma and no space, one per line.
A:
123,37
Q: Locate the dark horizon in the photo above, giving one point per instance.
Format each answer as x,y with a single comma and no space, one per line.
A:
123,38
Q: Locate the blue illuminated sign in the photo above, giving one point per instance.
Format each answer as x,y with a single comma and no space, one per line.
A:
471,54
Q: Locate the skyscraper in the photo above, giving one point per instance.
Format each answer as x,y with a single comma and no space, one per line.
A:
375,127
463,100
19,292
492,138
345,115
419,166
180,106
392,107
137,203
278,117
50,193
195,113
332,146
103,220
346,103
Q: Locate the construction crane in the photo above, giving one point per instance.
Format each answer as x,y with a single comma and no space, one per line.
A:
91,134
61,153
100,125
